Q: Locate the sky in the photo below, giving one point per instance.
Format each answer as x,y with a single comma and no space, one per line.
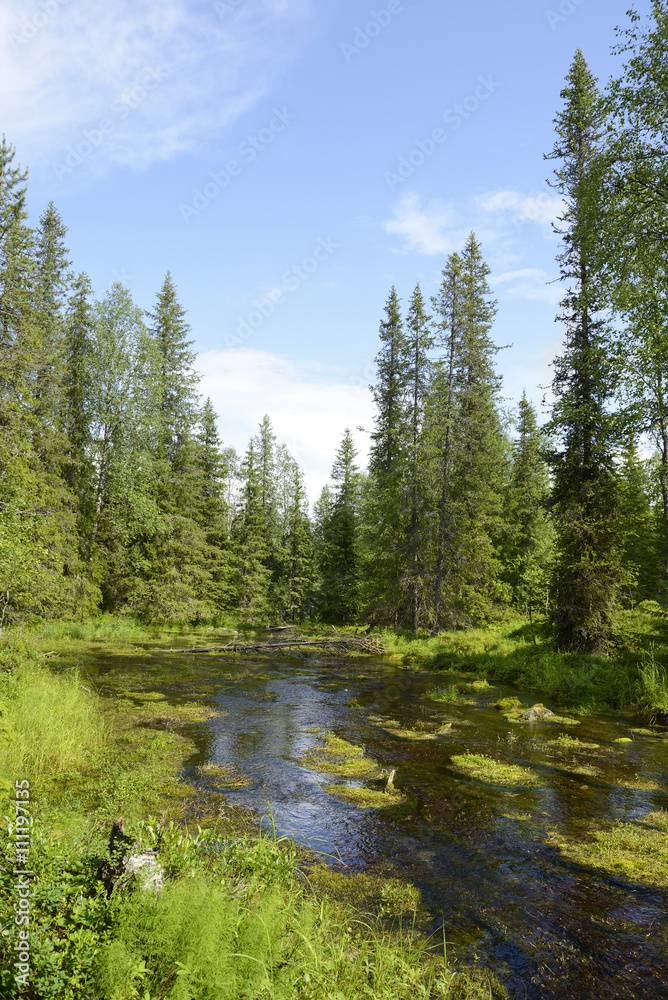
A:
289,161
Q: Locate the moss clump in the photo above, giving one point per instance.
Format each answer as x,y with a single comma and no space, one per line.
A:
486,769
508,704
482,684
225,775
566,742
623,739
383,722
421,734
369,893
448,695
476,984
339,757
366,798
637,851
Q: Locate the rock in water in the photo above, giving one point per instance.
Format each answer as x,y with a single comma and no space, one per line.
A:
536,713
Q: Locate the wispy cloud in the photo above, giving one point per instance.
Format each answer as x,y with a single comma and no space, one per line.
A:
67,64
429,230
532,284
517,206
310,405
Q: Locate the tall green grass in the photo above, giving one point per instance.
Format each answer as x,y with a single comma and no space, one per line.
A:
50,723
635,678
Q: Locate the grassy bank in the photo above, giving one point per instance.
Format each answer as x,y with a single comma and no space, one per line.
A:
512,653
241,914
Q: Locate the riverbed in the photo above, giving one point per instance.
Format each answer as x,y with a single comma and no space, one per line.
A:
485,849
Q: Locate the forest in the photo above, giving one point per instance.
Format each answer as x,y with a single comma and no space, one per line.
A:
119,495
197,809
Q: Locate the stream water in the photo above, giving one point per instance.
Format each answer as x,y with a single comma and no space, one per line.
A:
479,852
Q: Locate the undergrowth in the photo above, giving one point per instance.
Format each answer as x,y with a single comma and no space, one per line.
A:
635,678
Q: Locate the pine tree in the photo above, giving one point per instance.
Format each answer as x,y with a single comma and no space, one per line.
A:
213,513
528,544
298,561
387,467
442,412
639,527
251,576
340,566
79,327
467,447
584,499
420,340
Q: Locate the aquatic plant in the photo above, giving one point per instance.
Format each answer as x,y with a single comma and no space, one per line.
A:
496,772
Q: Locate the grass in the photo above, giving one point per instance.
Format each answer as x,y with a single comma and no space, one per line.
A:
505,653
366,798
636,851
449,695
225,776
235,913
336,756
496,773
49,722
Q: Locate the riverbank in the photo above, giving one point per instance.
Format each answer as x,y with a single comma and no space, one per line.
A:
516,653
248,920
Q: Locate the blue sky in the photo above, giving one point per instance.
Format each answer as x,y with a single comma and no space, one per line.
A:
289,161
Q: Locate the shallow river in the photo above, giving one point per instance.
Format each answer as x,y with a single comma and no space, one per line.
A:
479,852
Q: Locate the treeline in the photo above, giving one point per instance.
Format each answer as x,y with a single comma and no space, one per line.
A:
116,492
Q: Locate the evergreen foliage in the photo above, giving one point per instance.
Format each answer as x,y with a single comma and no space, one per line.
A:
585,496
116,492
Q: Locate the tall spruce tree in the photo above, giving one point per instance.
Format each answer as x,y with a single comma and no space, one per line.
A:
419,342
441,414
251,578
584,498
213,514
298,559
387,466
528,545
340,566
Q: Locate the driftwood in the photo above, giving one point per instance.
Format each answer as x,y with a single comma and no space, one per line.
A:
349,644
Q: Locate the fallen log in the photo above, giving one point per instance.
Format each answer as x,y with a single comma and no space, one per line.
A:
360,644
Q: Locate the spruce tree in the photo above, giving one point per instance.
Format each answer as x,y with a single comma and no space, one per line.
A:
340,566
213,512
251,578
639,527
387,467
298,560
420,340
442,412
585,497
528,545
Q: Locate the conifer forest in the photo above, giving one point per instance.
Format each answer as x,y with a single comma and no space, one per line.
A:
118,492
259,744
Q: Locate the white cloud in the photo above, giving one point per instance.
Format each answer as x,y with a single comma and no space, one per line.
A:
310,405
167,74
516,206
529,283
429,230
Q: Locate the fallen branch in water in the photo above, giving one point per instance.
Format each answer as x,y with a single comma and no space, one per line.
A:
352,644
